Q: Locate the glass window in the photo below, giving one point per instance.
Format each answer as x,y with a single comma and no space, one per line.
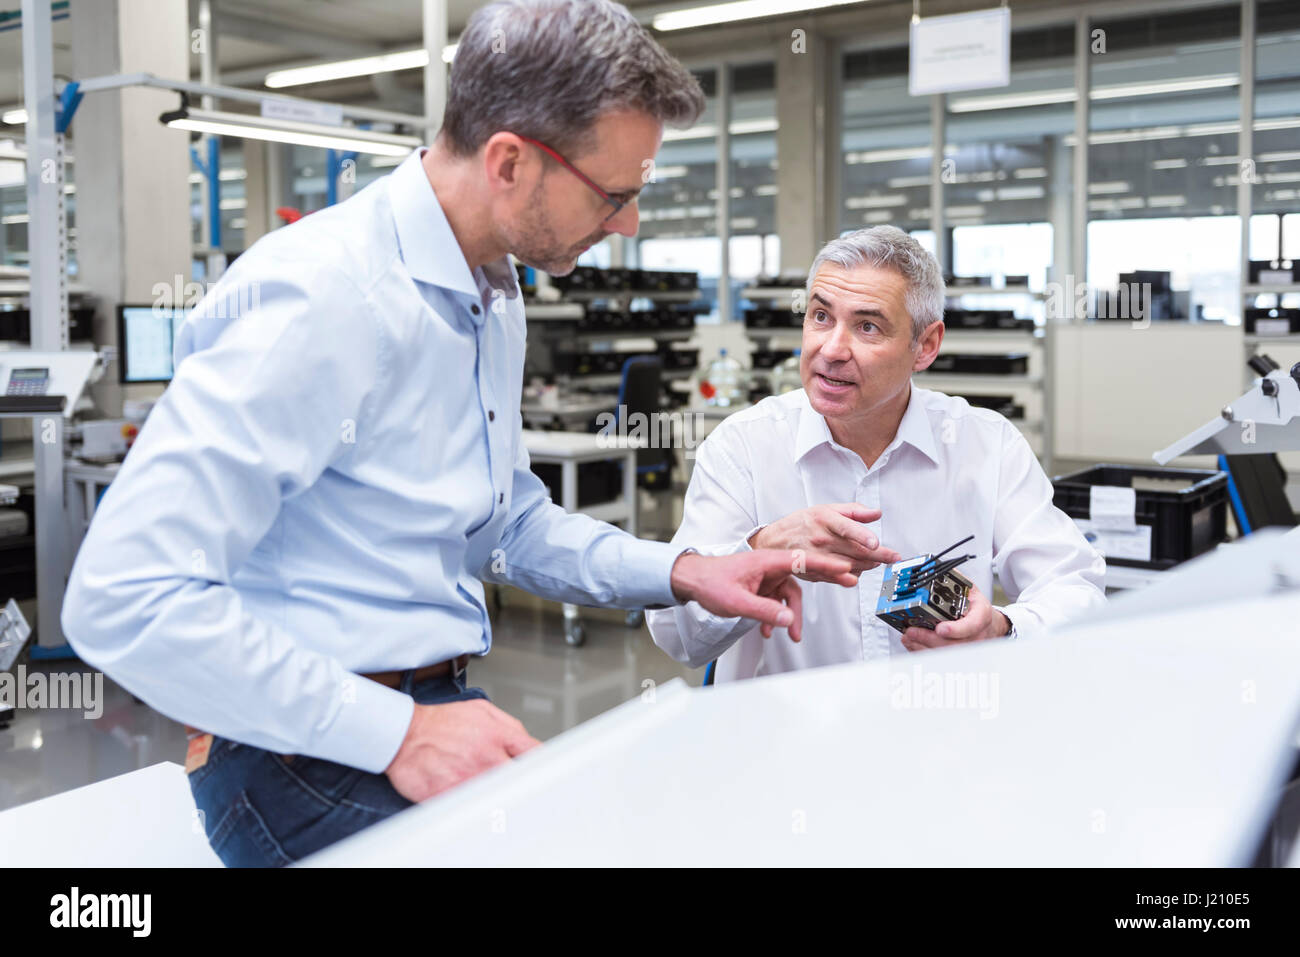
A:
754,248
679,212
885,144
1162,159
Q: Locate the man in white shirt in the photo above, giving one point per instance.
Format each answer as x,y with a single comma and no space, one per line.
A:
863,465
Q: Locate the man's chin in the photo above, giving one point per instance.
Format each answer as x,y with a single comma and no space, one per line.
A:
560,267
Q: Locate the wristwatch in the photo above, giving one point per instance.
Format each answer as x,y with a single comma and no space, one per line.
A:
1011,634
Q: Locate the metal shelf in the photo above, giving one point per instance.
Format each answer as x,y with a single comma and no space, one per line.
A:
954,292
1018,336
1280,290
598,380
980,378
587,295
544,311
662,335
1251,339
769,292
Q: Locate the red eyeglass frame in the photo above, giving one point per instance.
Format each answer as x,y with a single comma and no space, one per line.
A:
618,207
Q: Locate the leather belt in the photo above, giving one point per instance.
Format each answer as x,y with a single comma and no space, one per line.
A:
456,667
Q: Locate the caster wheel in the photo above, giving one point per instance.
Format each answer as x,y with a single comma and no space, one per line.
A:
634,618
575,634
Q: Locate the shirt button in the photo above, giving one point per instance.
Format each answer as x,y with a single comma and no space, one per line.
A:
474,309
492,416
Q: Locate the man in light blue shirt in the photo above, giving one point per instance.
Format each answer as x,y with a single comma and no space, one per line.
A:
290,557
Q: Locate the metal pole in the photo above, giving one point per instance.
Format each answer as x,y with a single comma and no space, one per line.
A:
435,73
211,147
724,190
47,244
1082,118
1246,140
938,138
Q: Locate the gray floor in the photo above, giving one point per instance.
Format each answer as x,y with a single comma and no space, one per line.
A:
530,673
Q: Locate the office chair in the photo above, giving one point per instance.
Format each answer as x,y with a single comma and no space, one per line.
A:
1257,491
639,394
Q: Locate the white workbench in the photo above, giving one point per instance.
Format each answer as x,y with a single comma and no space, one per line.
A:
1123,743
569,450
145,818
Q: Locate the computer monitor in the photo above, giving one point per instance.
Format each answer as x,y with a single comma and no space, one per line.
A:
146,336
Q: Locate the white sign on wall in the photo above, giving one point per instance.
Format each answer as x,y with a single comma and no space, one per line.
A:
965,51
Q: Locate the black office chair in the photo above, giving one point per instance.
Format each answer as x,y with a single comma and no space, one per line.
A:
1257,491
640,394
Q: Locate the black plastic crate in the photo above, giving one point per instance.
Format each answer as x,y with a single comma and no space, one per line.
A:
1264,272
1277,321
1185,522
1012,363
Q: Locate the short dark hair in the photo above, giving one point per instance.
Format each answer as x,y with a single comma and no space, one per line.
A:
547,69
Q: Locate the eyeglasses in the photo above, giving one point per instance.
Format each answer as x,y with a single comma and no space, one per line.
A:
618,207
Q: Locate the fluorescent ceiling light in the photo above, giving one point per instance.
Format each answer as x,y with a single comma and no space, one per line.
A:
1030,172
15,117
14,220
736,128
1284,157
1006,101
416,59
872,202
1116,187
1169,164
737,10
253,127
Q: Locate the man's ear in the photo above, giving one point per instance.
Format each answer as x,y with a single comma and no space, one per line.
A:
928,346
505,161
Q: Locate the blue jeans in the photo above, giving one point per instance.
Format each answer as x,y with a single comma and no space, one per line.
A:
261,809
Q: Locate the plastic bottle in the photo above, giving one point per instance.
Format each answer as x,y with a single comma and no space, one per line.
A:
786,377
724,383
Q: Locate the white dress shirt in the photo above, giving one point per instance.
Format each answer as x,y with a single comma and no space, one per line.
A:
335,464
951,471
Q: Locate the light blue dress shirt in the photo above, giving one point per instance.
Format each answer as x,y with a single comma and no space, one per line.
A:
335,464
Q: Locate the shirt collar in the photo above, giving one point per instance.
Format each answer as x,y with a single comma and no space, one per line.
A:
429,247
914,429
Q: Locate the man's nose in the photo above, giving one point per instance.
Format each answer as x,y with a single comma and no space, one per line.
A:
625,221
836,345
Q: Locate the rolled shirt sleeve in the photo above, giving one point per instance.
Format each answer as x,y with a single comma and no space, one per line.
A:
251,419
575,558
715,511
1045,565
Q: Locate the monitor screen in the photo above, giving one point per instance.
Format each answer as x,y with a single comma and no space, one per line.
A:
146,335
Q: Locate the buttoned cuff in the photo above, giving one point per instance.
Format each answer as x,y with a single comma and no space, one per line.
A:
647,574
369,727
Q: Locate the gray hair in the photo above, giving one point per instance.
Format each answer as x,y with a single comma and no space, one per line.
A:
547,69
891,248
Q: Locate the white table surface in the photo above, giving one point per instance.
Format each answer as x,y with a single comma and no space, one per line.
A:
579,444
1157,743
144,818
